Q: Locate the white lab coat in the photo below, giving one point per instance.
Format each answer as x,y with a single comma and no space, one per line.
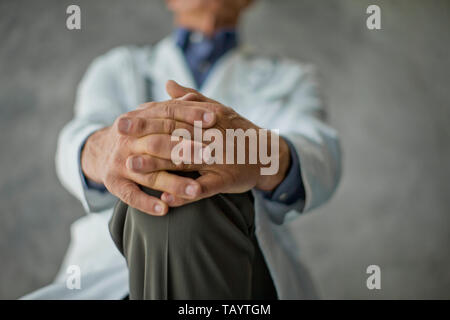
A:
272,92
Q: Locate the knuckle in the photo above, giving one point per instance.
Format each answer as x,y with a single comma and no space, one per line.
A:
117,121
128,196
167,111
139,125
226,110
181,125
116,163
206,189
150,179
121,143
174,185
221,111
153,145
169,126
179,186
197,114
150,126
150,164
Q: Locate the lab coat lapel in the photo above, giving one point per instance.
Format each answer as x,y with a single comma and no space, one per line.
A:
171,64
217,79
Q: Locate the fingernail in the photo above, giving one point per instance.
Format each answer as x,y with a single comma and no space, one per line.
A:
137,163
168,198
191,190
124,125
158,208
208,117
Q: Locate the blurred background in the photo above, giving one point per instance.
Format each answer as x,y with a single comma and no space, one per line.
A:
388,95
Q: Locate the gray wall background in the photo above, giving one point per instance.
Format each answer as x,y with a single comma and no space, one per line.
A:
388,95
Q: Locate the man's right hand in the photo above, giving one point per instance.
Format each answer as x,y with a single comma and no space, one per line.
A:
133,151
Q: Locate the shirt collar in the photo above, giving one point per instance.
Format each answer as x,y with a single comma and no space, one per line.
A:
222,41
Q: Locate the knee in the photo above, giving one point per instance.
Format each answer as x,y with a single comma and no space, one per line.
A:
222,218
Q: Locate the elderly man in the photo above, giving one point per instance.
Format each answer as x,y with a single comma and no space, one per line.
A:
192,230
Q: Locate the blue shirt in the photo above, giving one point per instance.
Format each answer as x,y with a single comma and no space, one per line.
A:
201,53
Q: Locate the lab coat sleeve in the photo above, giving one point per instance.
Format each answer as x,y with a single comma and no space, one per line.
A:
98,104
301,119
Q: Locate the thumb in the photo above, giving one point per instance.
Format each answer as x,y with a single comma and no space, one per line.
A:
177,91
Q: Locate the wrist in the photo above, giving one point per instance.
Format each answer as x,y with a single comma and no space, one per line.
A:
271,182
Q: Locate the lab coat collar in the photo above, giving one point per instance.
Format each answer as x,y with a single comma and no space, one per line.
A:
171,64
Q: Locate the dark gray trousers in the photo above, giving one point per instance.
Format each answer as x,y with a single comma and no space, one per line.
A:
203,250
